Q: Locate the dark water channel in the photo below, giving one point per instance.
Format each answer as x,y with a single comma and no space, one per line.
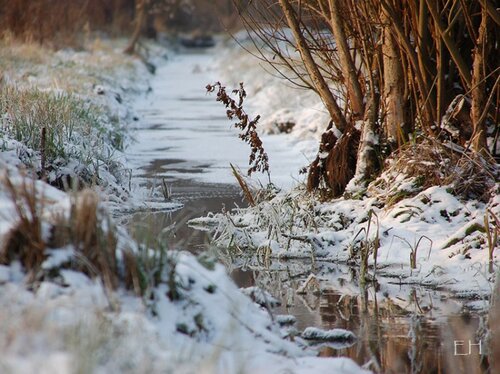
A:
197,199
393,339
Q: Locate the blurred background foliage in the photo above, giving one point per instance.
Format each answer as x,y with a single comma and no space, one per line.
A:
63,23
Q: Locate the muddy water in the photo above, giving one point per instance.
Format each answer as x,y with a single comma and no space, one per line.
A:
185,142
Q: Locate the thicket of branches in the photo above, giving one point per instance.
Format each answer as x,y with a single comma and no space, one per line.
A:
395,68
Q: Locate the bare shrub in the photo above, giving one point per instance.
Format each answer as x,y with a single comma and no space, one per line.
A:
396,65
60,23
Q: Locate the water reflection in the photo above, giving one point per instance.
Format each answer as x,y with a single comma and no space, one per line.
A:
198,199
394,336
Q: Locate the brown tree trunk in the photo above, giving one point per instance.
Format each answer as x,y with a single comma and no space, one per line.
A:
392,19
393,94
354,92
312,68
478,89
440,84
140,16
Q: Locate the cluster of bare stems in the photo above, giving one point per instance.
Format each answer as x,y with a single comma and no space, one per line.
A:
258,160
395,65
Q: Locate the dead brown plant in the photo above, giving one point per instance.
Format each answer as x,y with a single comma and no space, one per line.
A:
244,186
25,242
258,160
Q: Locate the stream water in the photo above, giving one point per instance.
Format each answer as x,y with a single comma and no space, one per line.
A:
185,142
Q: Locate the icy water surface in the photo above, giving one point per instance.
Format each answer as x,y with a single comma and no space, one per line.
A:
185,143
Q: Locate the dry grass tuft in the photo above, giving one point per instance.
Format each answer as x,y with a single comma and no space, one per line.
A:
16,54
30,64
87,229
25,240
132,277
432,163
65,117
428,161
144,267
244,186
472,176
93,237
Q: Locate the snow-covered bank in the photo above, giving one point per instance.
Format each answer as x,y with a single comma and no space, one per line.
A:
209,327
65,113
77,294
431,239
401,226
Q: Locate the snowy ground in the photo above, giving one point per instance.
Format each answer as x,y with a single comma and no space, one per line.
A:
57,319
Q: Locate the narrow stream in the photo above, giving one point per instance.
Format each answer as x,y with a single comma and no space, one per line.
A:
180,151
185,143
